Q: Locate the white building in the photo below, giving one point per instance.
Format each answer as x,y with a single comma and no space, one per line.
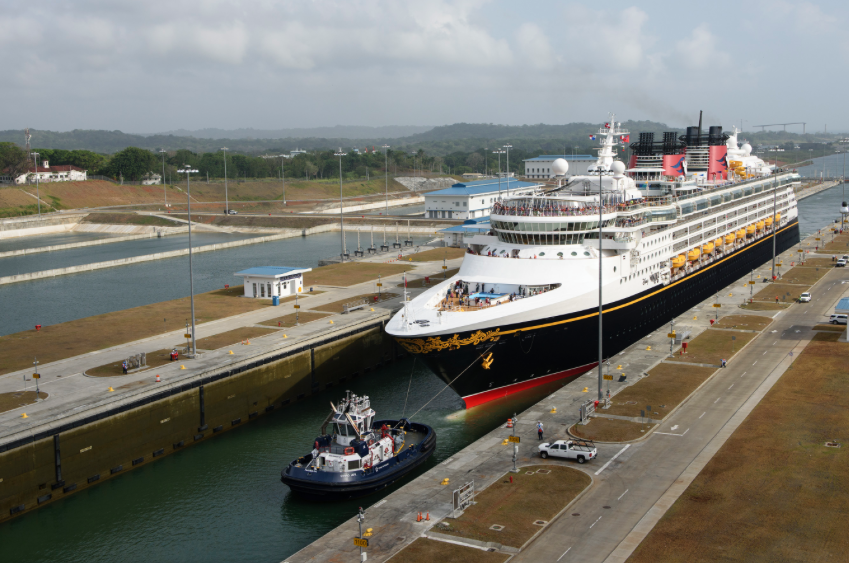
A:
540,166
266,282
151,178
471,200
47,173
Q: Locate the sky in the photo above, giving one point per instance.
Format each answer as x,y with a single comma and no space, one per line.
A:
145,67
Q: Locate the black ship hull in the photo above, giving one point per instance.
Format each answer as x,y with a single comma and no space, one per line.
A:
556,348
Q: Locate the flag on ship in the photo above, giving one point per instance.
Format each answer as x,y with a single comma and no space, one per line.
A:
607,125
592,137
625,138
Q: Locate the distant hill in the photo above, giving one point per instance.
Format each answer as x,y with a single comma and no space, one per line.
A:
338,132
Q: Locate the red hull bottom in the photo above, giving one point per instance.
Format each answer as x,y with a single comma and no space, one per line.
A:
492,394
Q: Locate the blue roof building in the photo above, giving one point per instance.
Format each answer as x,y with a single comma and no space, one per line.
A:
472,200
267,282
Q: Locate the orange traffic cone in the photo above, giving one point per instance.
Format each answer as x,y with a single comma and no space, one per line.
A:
419,517
158,379
509,423
428,517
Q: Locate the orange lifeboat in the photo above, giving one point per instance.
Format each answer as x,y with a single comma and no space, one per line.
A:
768,221
741,234
707,248
693,254
729,238
778,217
679,261
750,230
760,225
718,242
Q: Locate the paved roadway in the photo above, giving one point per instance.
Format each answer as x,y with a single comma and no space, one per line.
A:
630,494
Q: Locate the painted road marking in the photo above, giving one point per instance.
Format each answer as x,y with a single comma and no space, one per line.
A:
717,400
671,434
596,522
620,452
623,494
732,385
764,354
774,343
564,553
704,413
755,362
674,428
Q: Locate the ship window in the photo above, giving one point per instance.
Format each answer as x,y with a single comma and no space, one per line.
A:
542,253
353,464
574,254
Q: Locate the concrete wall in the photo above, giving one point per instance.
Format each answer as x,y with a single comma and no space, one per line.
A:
90,452
33,225
375,205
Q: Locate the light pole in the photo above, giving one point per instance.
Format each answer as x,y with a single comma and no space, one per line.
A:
283,177
188,171
340,154
164,188
774,223
37,196
499,152
226,200
386,174
507,148
600,302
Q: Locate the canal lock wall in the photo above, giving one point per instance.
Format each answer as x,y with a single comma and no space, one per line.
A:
66,456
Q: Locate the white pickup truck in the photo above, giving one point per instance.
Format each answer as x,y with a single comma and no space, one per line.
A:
580,450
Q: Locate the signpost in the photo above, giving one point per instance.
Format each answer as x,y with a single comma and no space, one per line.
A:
36,376
515,440
361,542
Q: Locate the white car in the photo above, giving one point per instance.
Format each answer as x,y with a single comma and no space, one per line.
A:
805,297
841,263
580,450
838,319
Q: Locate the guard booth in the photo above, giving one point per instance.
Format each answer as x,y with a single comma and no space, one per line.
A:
266,282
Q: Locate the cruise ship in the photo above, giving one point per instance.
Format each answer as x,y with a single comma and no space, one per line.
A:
689,215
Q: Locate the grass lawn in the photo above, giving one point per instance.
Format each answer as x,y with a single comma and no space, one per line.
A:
611,429
745,322
840,244
809,274
337,306
351,273
154,360
830,327
819,262
774,491
55,342
784,291
764,306
438,254
289,320
418,281
232,337
517,505
17,399
713,345
425,550
128,219
665,387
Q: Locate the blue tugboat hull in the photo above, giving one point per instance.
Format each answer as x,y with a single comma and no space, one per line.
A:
333,486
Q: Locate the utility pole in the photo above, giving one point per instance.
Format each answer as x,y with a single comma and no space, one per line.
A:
515,445
340,154
188,171
37,196
164,188
226,200
386,167
600,301
499,152
774,223
507,148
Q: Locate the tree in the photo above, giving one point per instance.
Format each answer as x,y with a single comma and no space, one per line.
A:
13,160
474,161
132,163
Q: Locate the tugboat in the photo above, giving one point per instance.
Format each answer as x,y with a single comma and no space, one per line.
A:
361,456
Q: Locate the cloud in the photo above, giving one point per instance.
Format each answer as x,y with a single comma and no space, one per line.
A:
700,52
608,40
535,47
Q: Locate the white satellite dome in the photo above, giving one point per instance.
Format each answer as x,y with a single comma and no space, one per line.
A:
559,167
618,169
746,148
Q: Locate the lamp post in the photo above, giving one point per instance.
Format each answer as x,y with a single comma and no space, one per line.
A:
188,171
283,177
340,154
164,188
37,196
600,302
499,152
386,174
507,148
226,199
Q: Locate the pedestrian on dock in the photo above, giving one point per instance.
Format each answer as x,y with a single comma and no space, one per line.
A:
124,366
539,429
722,362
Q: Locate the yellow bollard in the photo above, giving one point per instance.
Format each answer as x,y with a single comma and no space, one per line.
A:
553,410
182,367
586,390
284,336
648,348
619,366
230,353
445,481
695,318
371,309
110,389
24,415
505,442
331,322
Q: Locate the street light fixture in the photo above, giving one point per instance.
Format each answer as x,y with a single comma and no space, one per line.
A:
37,196
188,171
386,168
164,189
507,148
340,154
499,152
226,200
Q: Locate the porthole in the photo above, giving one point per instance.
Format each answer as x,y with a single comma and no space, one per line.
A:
574,254
614,268
542,253
560,254
586,253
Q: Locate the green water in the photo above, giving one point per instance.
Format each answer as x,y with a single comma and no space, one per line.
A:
222,500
